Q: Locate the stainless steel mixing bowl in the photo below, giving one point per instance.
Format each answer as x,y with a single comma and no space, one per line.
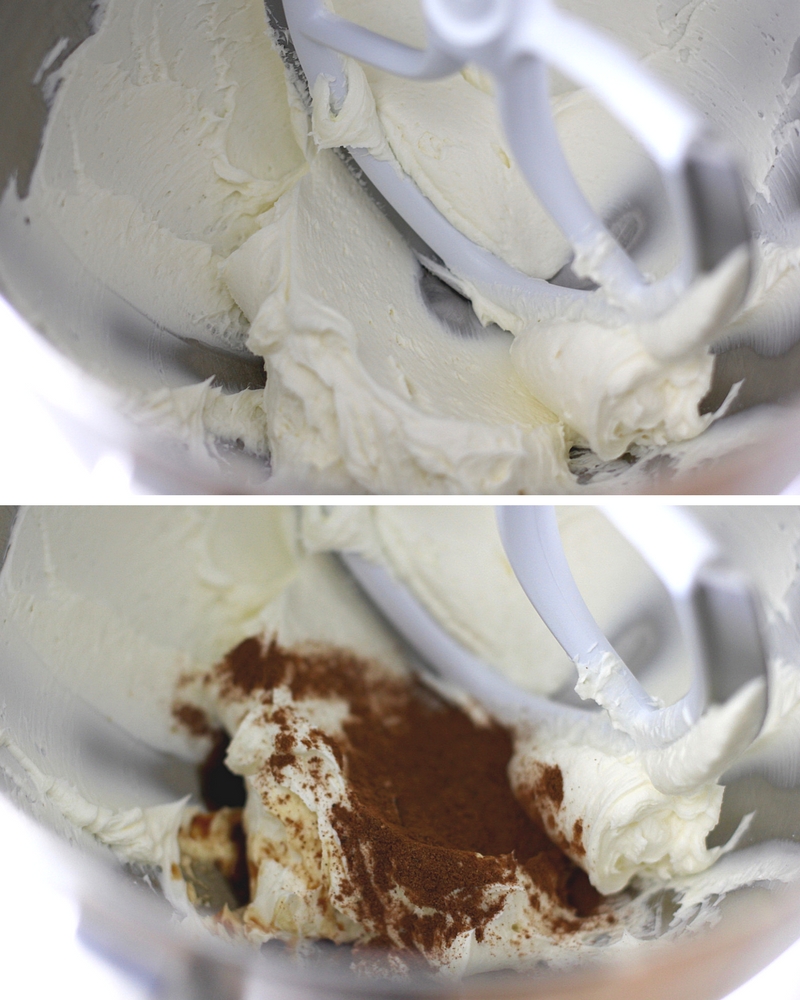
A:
124,919
82,347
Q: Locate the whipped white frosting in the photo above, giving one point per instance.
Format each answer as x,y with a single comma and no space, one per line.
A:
181,168
203,146
423,546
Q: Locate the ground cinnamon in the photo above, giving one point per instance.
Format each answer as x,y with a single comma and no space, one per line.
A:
430,809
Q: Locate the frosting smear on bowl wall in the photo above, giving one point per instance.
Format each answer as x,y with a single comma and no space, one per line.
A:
183,167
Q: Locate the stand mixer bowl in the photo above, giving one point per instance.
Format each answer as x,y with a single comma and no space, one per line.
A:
83,350
125,920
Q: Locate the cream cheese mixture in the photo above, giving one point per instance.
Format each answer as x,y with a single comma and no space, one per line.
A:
181,167
377,812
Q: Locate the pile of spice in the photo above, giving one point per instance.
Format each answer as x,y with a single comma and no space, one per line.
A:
430,837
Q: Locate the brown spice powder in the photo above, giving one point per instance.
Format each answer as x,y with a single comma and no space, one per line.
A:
192,718
542,798
551,785
431,808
